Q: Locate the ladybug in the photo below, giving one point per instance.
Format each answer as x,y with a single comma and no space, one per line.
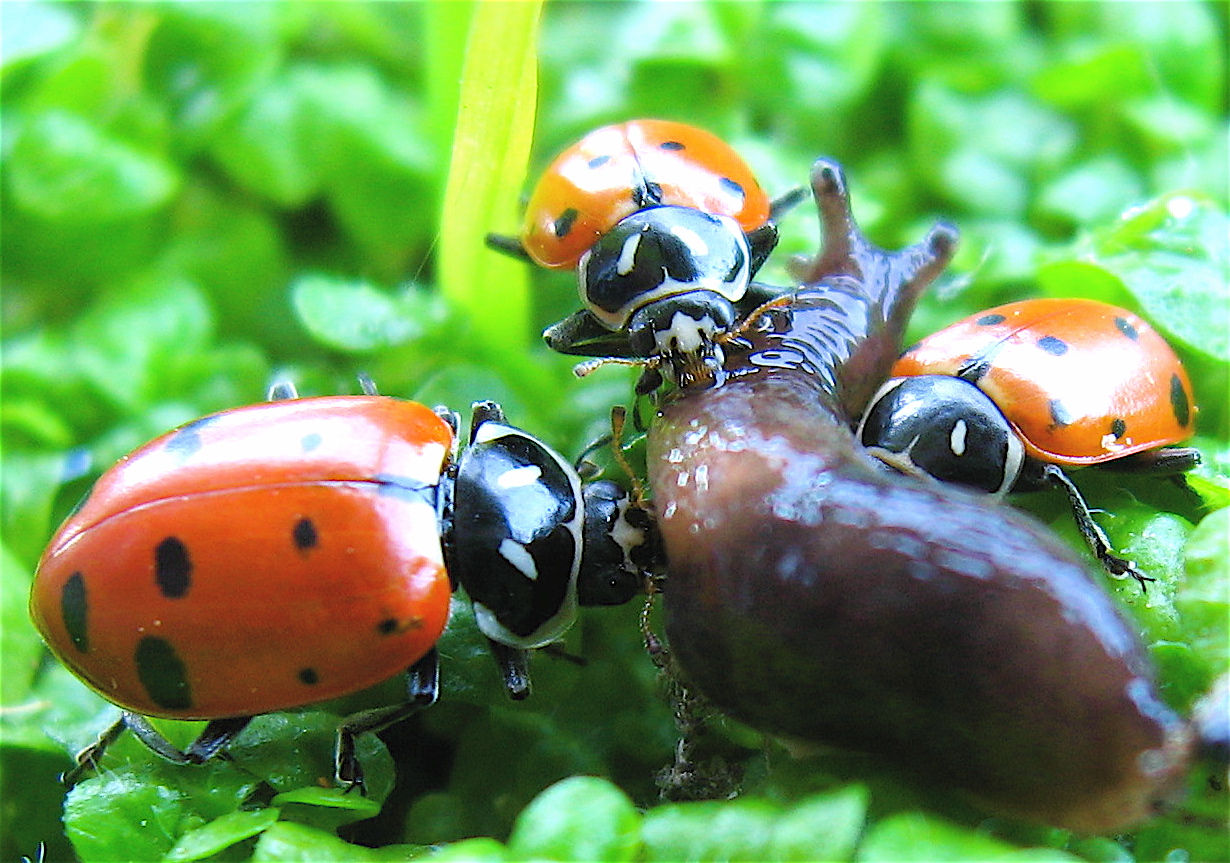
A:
294,551
1006,398
666,226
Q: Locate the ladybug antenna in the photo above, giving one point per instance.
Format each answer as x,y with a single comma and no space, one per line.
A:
367,384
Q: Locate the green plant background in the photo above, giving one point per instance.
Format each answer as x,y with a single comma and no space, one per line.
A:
200,196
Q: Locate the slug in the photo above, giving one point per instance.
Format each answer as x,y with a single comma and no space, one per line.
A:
815,596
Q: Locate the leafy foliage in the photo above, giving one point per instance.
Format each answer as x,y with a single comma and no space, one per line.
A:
197,196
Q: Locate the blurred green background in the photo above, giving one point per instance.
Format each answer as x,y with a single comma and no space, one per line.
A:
197,197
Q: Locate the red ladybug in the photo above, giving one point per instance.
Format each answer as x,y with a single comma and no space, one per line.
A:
291,552
1001,399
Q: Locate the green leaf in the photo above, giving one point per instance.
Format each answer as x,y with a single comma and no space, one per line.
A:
268,146
205,60
20,648
1172,255
139,814
330,798
374,158
821,827
581,818
220,834
911,837
357,317
740,829
481,850
285,842
64,168
176,323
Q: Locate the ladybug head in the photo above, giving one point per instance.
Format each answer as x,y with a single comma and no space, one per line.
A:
620,546
699,260
945,427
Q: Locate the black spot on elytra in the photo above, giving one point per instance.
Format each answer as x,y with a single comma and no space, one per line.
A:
304,534
598,161
732,187
75,611
1179,402
1118,427
310,441
163,673
185,442
172,568
1056,347
672,145
1060,415
388,626
1124,326
308,676
563,225
990,320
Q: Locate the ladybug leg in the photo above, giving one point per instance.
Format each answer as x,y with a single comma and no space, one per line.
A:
1093,534
761,243
422,690
514,665
216,737
786,202
1163,462
87,759
510,246
282,390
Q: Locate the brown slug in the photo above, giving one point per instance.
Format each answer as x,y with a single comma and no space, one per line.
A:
814,595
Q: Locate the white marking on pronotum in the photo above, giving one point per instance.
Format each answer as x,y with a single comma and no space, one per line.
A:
956,440
691,239
517,555
519,477
627,255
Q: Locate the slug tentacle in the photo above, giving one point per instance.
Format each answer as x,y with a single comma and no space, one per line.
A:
854,301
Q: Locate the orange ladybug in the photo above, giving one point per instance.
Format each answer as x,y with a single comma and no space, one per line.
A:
1000,400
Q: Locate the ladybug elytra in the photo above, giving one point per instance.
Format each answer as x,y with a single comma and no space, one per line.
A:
290,552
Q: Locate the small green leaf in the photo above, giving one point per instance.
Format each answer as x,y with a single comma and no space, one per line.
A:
331,798
20,647
221,833
918,838
64,168
740,829
268,146
580,818
822,827
286,842
356,317
479,850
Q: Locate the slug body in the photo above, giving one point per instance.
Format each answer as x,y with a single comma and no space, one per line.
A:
814,595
